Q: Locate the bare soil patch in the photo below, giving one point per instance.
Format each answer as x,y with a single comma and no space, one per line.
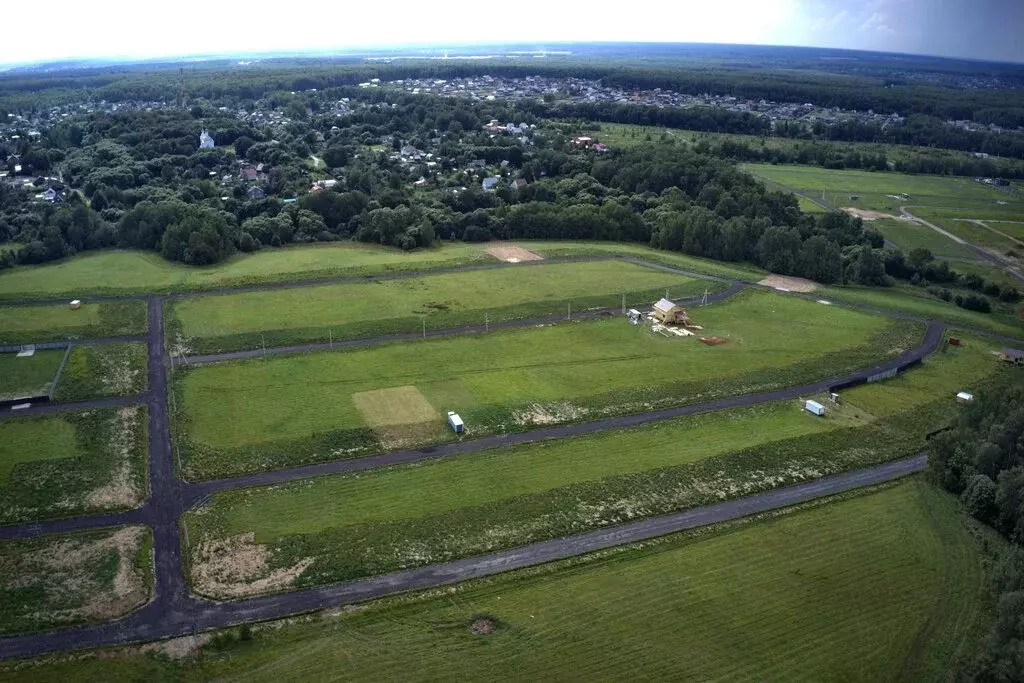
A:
866,215
789,284
481,627
514,254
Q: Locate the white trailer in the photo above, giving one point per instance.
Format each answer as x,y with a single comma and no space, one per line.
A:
814,407
455,422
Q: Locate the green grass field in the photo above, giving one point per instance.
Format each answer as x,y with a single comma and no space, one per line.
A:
35,324
72,463
282,317
134,271
908,235
29,376
884,585
67,579
510,380
104,370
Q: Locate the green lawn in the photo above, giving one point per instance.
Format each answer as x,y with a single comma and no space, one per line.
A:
118,272
885,585
510,380
34,324
67,579
281,317
71,464
972,232
104,370
28,376
908,235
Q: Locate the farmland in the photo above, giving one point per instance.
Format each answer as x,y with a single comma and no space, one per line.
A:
72,464
281,317
510,380
34,324
122,272
69,579
31,376
898,564
354,525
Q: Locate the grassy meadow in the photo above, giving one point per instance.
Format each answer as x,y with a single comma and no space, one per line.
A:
345,526
68,579
910,235
288,316
28,376
104,370
45,323
251,415
122,272
72,463
878,585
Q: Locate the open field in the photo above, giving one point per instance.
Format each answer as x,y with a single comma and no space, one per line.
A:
282,317
885,584
29,376
34,324
72,463
253,415
67,579
134,271
103,370
910,235
338,527
969,231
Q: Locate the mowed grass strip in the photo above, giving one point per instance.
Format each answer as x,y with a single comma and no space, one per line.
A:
69,579
33,324
122,272
883,585
234,404
29,375
386,306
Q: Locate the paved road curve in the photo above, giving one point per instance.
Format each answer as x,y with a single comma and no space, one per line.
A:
190,615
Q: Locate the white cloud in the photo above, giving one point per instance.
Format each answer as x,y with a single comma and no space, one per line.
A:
876,22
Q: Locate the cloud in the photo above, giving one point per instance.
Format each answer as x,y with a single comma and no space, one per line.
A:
876,22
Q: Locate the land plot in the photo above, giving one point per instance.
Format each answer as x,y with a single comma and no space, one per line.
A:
339,527
898,566
973,233
29,375
63,580
33,324
122,272
281,317
71,464
104,370
910,235
247,415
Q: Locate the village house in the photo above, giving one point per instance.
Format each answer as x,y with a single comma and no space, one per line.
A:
205,140
489,184
255,193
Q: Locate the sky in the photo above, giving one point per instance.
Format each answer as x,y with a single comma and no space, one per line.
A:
979,29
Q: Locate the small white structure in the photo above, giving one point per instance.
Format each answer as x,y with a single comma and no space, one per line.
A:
964,397
76,304
634,316
834,397
814,407
455,422
205,140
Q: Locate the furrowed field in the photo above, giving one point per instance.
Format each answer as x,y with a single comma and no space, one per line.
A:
247,416
72,463
35,324
879,585
340,527
282,317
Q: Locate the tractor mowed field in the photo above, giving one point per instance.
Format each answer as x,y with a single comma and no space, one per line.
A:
125,272
71,464
260,414
281,317
67,579
881,582
28,375
339,527
45,323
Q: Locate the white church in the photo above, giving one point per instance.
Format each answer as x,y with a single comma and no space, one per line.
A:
205,140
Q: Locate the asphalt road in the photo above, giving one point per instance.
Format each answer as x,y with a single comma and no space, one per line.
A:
11,348
190,615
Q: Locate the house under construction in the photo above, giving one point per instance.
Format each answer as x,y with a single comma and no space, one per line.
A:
668,313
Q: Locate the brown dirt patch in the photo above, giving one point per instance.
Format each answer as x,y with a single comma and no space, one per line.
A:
481,627
865,214
236,567
514,254
789,284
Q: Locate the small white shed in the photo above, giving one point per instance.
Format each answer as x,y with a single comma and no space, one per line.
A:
455,422
964,397
814,407
75,304
634,316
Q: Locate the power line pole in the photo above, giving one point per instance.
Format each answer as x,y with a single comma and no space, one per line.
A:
263,341
570,311
424,328
487,322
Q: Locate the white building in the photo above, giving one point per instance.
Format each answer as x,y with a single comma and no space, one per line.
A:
205,141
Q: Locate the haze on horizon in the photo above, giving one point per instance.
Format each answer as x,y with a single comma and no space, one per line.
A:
975,29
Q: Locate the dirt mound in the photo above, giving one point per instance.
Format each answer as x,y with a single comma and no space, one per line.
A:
514,254
481,627
866,215
789,284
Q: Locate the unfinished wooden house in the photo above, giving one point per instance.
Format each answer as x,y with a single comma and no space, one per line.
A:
668,313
